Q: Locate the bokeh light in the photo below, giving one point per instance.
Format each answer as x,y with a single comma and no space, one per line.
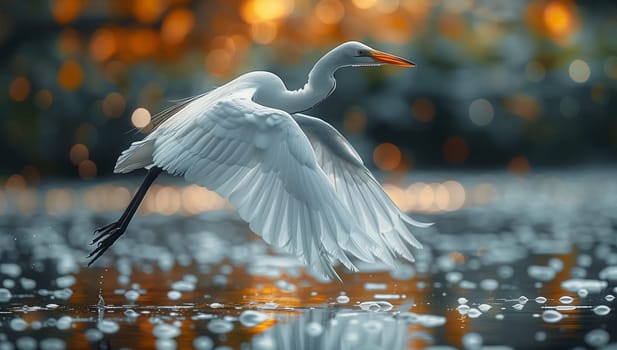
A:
387,156
141,117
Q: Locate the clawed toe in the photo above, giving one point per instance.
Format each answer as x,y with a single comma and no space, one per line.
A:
106,237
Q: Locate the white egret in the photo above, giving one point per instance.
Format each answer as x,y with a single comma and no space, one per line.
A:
294,178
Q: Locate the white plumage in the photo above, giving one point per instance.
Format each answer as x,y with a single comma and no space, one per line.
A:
294,178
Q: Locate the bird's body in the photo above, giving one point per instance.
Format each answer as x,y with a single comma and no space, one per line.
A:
294,178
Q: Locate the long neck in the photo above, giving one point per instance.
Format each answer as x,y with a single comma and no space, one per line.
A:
320,84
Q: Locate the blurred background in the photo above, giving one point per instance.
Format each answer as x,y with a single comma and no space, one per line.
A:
514,85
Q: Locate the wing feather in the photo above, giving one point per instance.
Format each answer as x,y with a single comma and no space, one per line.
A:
261,160
358,189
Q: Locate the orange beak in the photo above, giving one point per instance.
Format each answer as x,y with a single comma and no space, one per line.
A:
383,57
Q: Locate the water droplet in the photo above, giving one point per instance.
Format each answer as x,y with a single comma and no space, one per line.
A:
26,343
18,324
165,344
484,307
463,309
454,276
270,306
474,313
472,341
541,273
523,299
489,284
52,344
131,313
5,295
575,284
342,299
174,295
540,300
552,316
375,286
314,329
376,306
540,336
518,307
183,286
107,326
566,299
583,293
251,318
499,316
165,331
601,310
462,301
64,322
609,273
203,343
597,337
609,297
220,326
217,305
131,295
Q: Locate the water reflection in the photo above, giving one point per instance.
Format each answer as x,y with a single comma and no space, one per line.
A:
534,268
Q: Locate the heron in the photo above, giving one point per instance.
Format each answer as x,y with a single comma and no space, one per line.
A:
292,177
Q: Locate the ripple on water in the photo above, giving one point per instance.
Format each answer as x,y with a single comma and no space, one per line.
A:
484,307
540,300
131,295
474,313
18,324
342,299
174,295
376,306
219,326
463,309
165,331
552,316
252,318
601,310
107,326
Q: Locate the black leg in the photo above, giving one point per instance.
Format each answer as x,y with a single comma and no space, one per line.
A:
108,234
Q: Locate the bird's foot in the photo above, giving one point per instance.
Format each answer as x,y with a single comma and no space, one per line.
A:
106,236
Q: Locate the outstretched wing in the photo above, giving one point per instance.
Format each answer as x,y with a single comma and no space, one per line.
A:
358,189
260,160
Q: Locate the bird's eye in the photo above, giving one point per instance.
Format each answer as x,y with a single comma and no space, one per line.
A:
360,53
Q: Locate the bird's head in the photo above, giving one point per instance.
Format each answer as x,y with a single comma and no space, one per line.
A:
353,53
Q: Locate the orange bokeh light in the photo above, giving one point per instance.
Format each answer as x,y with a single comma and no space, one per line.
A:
103,44
423,110
559,18
148,11
176,26
70,75
387,156
519,165
19,89
65,11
